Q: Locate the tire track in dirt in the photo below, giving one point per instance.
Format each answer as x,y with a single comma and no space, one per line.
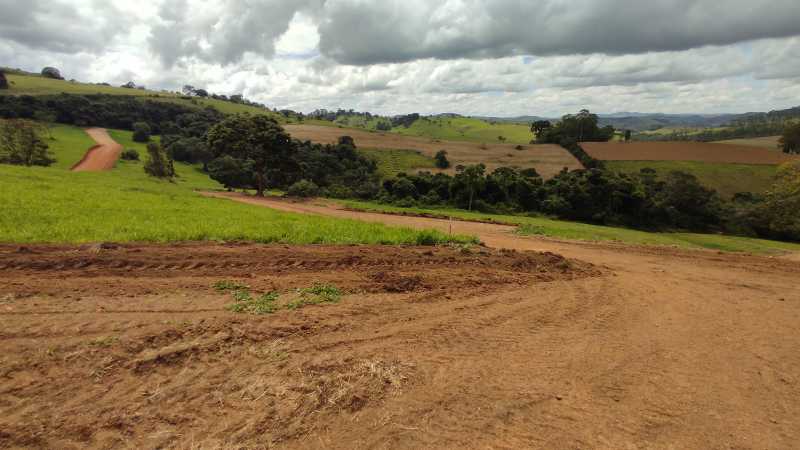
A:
102,156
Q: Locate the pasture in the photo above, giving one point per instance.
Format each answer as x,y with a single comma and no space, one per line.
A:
727,179
683,151
124,205
769,142
547,159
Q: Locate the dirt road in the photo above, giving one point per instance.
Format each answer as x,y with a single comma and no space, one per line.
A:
616,347
102,156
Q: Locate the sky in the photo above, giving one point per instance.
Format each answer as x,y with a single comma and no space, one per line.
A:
474,57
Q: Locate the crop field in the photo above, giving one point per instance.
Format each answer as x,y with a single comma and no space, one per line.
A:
727,179
123,205
547,159
683,151
769,142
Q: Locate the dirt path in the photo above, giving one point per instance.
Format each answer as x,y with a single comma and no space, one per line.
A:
429,348
102,156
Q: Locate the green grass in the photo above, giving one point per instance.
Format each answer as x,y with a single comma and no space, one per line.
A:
467,129
392,162
36,85
725,178
560,229
124,205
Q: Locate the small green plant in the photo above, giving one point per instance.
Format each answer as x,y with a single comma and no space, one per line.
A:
228,285
245,303
317,294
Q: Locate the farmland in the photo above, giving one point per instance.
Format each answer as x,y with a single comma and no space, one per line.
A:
467,129
769,142
546,159
727,179
683,151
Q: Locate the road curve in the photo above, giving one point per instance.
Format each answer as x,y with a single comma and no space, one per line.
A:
102,156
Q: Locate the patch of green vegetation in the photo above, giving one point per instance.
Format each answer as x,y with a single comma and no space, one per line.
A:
727,179
317,294
246,303
68,144
52,204
392,162
228,285
467,129
542,226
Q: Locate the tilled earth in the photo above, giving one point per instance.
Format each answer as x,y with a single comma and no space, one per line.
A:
108,346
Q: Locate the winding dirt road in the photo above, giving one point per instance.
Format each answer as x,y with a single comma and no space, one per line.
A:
102,156
614,347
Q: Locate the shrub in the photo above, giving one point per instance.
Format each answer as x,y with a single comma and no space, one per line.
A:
21,143
303,189
141,132
158,164
52,72
441,159
130,155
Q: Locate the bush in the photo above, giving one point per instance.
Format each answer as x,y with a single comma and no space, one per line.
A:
158,164
303,189
141,132
441,159
130,155
21,143
52,72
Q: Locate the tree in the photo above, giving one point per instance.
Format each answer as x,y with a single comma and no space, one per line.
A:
52,72
201,93
790,140
141,132
781,209
441,159
473,179
539,126
187,89
231,172
21,143
254,138
627,135
158,163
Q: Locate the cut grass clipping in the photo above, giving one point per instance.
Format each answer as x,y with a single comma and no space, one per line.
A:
267,303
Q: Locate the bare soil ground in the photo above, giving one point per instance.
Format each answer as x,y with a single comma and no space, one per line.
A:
102,156
769,142
504,347
547,159
684,151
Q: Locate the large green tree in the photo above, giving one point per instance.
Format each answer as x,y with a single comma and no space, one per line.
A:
21,143
257,139
790,140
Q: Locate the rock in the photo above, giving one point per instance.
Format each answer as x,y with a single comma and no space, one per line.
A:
52,72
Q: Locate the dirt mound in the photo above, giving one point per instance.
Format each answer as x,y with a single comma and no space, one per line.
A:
108,345
683,151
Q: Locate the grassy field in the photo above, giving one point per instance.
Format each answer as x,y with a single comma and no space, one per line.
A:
467,129
560,229
391,162
124,205
36,85
727,179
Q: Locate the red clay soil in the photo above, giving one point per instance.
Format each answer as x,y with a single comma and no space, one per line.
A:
615,346
684,151
102,156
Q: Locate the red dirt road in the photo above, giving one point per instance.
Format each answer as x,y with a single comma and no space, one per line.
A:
102,156
130,347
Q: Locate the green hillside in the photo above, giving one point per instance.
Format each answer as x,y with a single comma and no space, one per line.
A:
37,85
727,179
467,129
52,204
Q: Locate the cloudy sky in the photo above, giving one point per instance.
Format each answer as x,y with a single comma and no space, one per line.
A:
477,57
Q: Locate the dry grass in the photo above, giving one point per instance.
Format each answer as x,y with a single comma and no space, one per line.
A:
548,160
